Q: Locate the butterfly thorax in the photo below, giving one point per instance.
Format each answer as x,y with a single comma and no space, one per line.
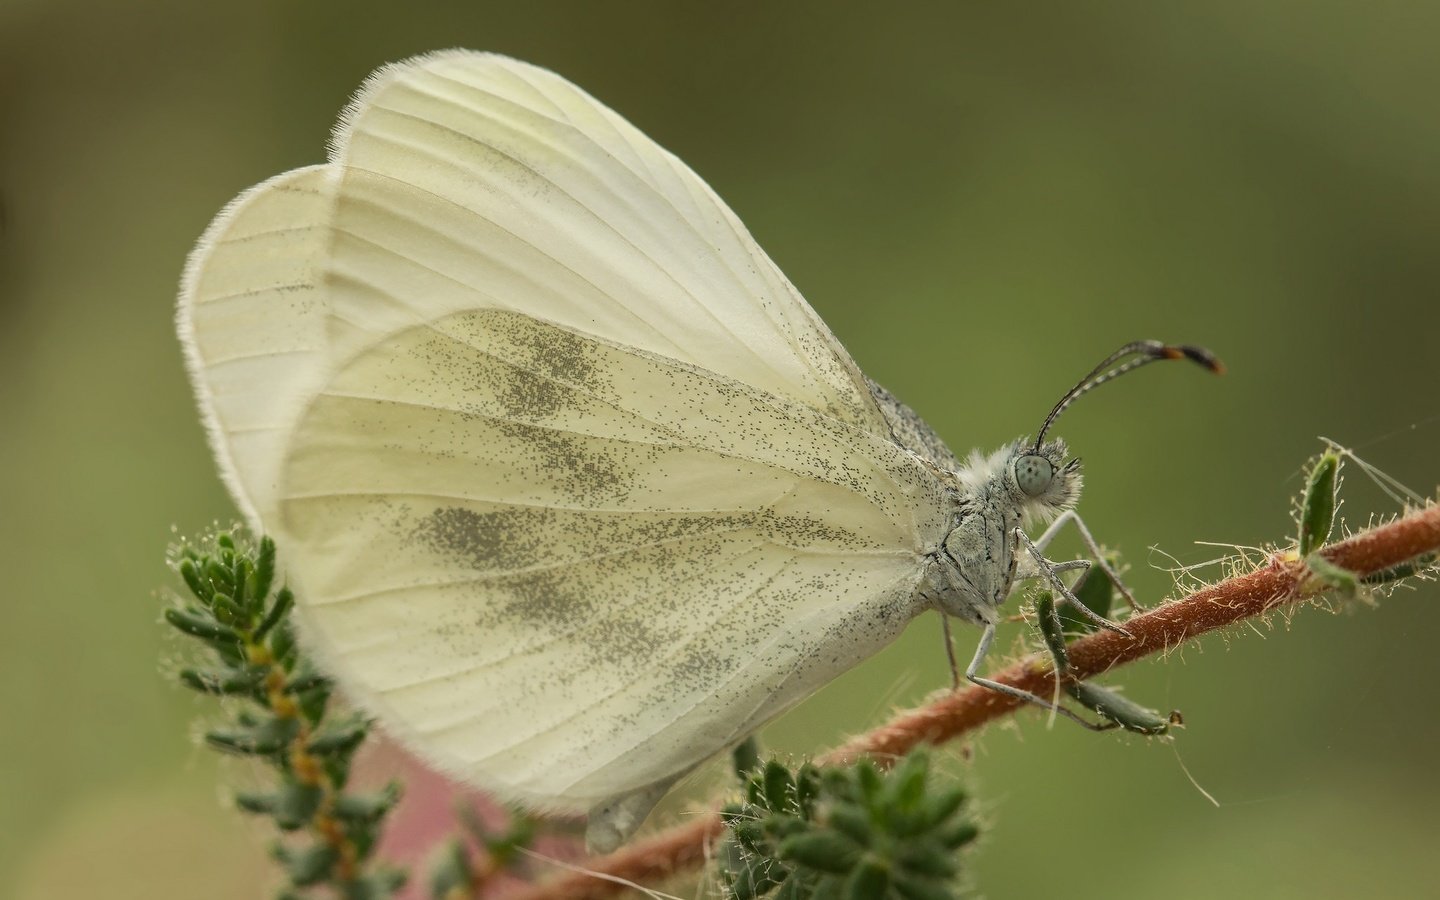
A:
975,567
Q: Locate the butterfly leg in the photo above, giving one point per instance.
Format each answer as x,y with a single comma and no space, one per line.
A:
1047,570
971,671
950,652
1071,517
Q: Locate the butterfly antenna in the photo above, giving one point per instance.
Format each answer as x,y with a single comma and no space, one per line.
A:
1127,359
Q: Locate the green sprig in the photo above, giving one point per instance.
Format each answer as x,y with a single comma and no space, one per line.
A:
852,833
284,720
1316,517
457,875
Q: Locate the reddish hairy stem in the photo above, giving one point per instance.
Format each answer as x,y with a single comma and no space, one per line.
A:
1280,581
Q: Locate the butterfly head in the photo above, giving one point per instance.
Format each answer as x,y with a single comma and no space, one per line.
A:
1041,481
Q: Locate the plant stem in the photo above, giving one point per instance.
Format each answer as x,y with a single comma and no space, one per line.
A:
1282,580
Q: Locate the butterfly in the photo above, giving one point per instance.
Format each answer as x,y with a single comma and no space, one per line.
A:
574,487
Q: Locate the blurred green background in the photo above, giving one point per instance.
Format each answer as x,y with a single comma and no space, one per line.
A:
981,199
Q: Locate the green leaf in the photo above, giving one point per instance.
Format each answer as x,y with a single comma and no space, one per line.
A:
959,834
296,804
750,882
807,788
227,610
256,802
910,888
868,779
928,860
808,885
201,626
263,575
452,871
779,787
338,739
869,881
278,610
1097,592
1404,570
223,681
367,807
1118,708
1325,575
755,790
852,822
1052,630
782,825
219,576
748,832
231,654
314,701
240,577
824,851
905,786
337,769
282,644
381,884
190,574
1317,506
305,679
520,833
311,865
941,805
264,738
746,757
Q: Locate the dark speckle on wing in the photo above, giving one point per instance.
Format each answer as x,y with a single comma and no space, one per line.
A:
549,364
498,539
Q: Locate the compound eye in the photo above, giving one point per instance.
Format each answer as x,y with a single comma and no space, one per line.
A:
1033,473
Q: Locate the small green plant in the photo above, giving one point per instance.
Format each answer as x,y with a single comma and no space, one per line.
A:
459,875
852,833
278,711
1319,502
1316,517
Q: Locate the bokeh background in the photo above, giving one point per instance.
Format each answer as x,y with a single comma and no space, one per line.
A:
981,199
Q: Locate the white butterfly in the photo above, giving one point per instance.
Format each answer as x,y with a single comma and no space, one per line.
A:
575,488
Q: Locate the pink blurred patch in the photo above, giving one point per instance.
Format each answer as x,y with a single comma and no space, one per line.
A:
426,819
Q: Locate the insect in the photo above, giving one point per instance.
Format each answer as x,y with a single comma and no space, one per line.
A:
574,487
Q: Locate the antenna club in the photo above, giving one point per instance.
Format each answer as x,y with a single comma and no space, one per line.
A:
1198,355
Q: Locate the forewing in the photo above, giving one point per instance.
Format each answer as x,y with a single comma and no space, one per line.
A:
566,569
473,181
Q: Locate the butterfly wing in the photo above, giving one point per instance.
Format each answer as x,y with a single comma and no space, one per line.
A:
252,319
568,568
577,490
